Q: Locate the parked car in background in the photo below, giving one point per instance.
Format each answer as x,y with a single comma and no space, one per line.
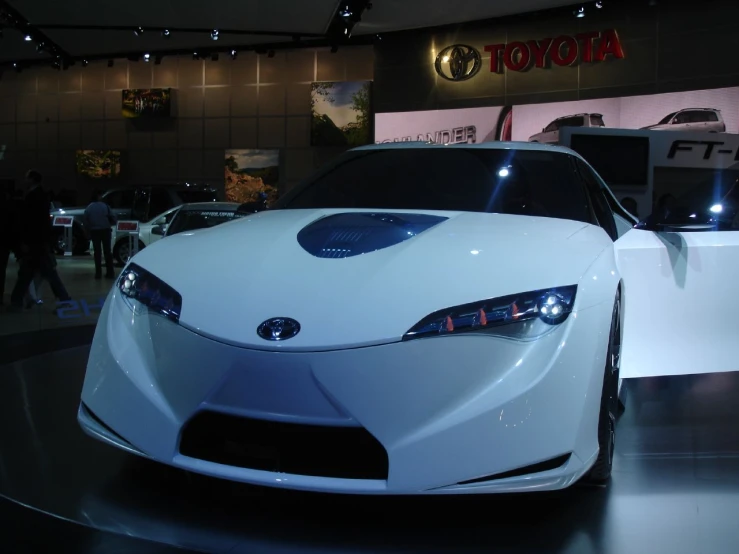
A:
149,232
550,133
139,203
202,215
692,119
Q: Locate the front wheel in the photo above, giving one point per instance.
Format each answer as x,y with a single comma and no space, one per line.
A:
609,406
122,251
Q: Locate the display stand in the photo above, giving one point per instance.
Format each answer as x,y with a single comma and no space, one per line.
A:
67,223
130,229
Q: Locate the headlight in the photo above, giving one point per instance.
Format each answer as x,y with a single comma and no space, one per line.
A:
137,284
524,316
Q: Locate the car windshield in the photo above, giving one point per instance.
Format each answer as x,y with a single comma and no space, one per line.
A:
509,181
190,220
667,119
190,196
597,120
714,196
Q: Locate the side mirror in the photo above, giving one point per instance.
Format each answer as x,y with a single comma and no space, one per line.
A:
158,230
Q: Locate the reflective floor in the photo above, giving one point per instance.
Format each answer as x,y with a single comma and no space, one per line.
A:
675,488
77,273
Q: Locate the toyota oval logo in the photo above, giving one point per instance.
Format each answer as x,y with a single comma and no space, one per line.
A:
458,62
278,328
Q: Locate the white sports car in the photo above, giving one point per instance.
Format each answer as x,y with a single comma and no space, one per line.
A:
412,319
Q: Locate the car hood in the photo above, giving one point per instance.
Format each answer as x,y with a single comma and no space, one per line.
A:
286,263
78,211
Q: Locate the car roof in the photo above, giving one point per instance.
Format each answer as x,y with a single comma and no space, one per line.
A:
517,145
578,115
210,206
698,110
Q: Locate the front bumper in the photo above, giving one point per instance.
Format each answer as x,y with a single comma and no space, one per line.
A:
445,410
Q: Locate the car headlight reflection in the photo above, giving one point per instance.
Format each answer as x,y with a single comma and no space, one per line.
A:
524,316
138,285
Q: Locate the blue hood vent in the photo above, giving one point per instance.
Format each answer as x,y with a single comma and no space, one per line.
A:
352,234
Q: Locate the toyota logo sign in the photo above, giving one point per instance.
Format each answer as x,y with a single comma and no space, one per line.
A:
278,328
458,62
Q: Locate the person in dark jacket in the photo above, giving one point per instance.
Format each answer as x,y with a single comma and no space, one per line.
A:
98,220
8,236
35,241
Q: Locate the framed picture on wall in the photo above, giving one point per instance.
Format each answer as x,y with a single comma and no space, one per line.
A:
341,113
146,103
251,172
99,164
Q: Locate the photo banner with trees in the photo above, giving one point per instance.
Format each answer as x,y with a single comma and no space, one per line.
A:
341,113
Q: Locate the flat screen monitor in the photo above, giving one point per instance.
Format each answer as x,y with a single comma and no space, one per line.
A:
619,160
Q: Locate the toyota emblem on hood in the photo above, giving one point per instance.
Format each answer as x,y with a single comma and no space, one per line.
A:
278,328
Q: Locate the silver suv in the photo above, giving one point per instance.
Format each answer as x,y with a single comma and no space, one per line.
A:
692,119
550,133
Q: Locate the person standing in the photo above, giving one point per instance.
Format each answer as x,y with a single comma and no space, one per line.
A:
8,236
35,239
98,220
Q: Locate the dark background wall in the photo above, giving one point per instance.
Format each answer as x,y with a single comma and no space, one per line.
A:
673,46
251,102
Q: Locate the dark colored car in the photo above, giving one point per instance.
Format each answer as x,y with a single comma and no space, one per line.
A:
139,203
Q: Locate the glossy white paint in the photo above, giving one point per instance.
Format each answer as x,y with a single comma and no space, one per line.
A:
502,403
680,302
379,295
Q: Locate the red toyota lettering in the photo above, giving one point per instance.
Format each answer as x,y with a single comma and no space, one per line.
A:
540,49
587,44
495,50
517,56
610,45
570,45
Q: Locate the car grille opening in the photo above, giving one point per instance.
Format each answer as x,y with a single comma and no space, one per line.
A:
319,451
548,465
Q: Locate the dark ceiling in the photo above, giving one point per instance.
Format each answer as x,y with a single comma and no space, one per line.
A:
192,21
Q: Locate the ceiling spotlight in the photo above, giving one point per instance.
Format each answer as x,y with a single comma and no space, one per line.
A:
599,5
345,12
28,38
138,31
195,56
580,12
233,54
84,63
214,34
147,57
166,33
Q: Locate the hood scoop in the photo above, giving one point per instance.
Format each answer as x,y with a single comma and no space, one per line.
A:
352,234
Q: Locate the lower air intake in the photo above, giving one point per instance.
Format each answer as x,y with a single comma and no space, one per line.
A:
340,452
